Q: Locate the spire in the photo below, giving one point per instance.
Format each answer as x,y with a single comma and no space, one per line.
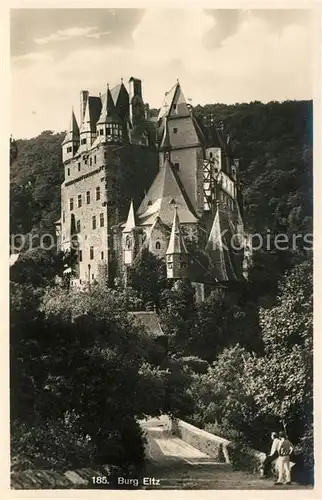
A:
108,113
73,130
130,223
176,243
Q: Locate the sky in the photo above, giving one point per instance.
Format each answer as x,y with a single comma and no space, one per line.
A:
221,55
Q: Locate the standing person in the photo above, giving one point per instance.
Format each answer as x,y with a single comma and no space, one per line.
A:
285,448
272,455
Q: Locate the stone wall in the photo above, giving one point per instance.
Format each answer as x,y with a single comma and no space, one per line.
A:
214,446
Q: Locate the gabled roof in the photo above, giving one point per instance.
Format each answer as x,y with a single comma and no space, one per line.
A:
73,130
165,140
167,102
115,92
164,192
176,242
109,113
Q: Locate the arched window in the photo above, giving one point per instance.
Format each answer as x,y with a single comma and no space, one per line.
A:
158,245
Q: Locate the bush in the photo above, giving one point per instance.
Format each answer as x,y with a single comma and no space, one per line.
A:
195,364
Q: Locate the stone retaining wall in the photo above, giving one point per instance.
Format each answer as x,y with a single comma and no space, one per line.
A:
215,446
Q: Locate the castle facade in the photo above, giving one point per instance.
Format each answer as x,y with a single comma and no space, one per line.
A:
180,201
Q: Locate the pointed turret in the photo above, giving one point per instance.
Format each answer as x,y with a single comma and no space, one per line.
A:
130,223
109,125
176,243
129,237
176,254
71,142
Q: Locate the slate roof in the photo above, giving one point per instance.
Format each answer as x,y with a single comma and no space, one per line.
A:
73,130
164,193
167,101
130,223
109,113
176,242
92,113
225,261
115,92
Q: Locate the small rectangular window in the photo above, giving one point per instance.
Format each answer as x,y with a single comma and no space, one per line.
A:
101,131
93,276
91,253
101,220
94,159
79,200
174,107
79,167
88,197
80,256
98,193
83,141
63,215
90,161
175,130
78,226
69,150
105,155
102,255
68,171
71,204
108,131
94,222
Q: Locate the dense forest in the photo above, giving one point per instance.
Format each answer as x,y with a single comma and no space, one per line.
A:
239,364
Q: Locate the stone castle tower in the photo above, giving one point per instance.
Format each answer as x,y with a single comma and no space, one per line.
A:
190,213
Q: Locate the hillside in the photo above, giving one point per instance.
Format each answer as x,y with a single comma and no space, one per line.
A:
273,142
35,180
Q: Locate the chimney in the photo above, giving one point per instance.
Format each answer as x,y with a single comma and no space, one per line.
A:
135,87
83,100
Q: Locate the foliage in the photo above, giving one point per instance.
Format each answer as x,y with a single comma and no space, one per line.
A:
80,353
204,330
38,165
148,277
252,395
178,315
274,144
39,267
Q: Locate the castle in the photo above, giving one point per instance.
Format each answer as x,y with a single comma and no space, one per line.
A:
180,201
